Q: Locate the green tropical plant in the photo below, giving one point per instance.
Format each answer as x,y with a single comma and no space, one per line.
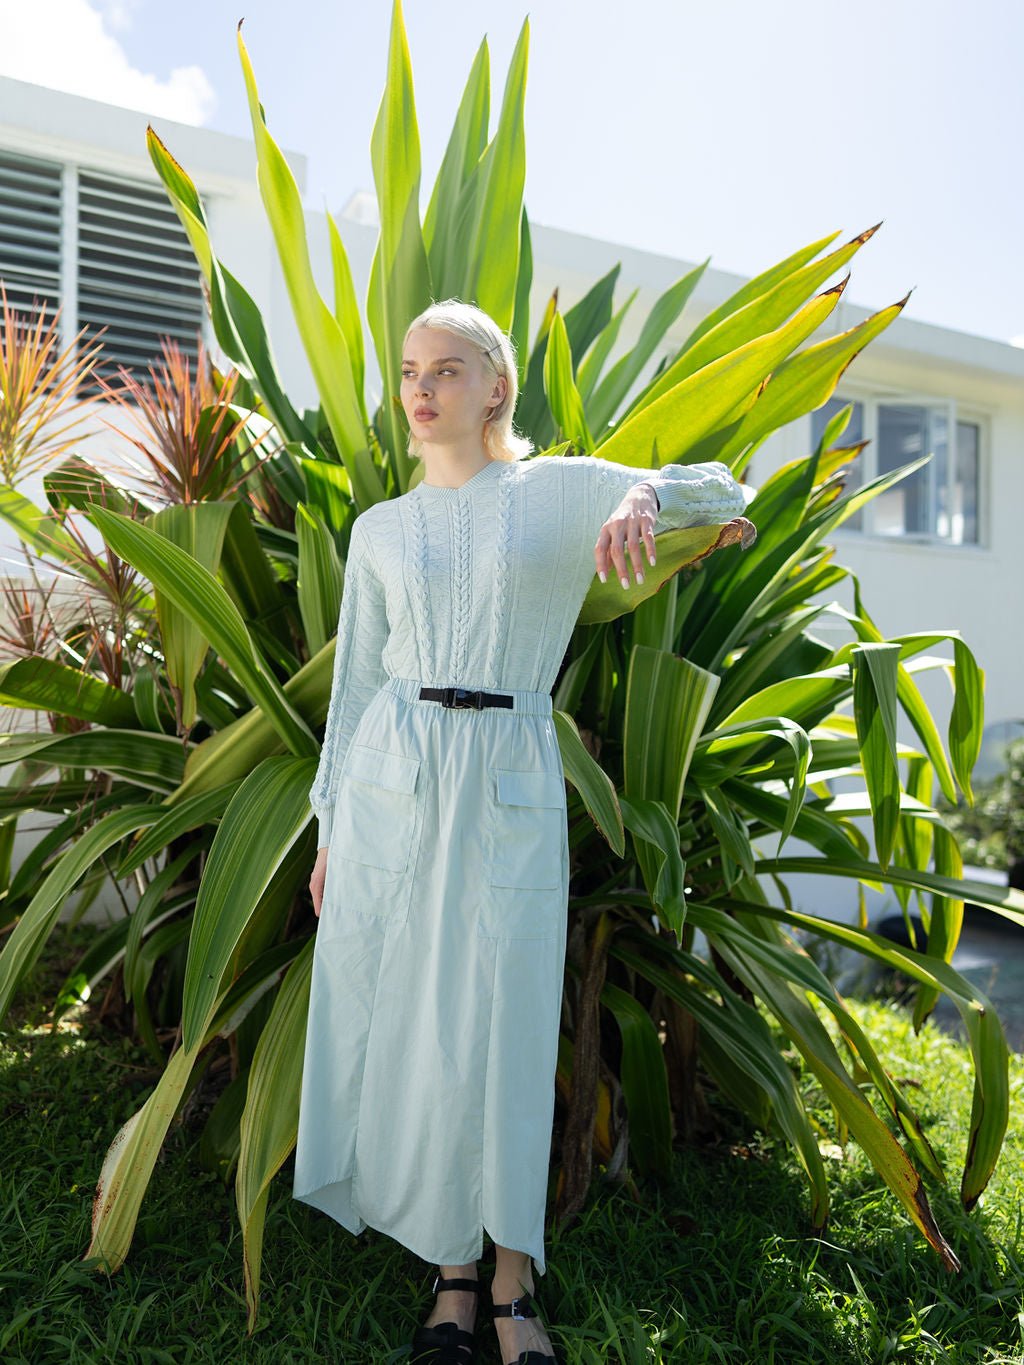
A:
700,712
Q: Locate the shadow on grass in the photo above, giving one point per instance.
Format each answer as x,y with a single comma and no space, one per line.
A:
718,1265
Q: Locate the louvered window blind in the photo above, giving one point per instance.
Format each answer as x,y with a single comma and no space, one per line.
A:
30,232
134,271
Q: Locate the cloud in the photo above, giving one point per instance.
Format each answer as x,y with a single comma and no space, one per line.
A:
70,45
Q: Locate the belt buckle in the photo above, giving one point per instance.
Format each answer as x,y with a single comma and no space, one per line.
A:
461,697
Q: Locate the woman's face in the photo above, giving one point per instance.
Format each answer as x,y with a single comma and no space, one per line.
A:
448,389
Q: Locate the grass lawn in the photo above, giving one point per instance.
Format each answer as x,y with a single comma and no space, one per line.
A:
718,1265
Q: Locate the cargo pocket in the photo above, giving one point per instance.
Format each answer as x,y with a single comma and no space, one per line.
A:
525,855
375,833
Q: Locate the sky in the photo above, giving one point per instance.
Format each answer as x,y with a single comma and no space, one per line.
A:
731,129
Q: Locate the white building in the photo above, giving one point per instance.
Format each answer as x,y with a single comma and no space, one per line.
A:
84,220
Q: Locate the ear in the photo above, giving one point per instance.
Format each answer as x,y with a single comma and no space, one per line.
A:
499,390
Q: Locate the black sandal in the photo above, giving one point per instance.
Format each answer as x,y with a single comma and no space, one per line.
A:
521,1309
446,1343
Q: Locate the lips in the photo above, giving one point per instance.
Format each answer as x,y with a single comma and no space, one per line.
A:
424,412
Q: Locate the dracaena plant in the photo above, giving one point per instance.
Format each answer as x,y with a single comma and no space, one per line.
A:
715,655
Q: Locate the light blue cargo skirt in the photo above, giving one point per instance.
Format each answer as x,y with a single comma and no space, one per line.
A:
429,1077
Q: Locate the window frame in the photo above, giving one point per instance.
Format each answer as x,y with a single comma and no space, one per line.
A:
71,167
872,398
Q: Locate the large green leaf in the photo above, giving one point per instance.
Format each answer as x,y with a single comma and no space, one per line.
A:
676,549
131,1157
694,407
237,322
322,336
147,760
990,1108
590,780
742,1037
799,1021
274,799
453,210
270,1120
183,817
249,575
129,1163
231,753
656,831
874,710
667,702
757,286
560,387
28,938
400,285
612,390
321,578
43,684
761,314
197,593
198,529
346,311
1003,900
644,1081
42,531
798,385
967,720
492,266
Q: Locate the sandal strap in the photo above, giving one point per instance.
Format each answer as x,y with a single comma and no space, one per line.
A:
446,1343
443,1284
520,1309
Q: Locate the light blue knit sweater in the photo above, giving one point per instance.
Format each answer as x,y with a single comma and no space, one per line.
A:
480,586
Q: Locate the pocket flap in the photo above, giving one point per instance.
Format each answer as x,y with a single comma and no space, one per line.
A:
519,788
397,772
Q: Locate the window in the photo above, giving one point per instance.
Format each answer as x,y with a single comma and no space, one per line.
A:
30,233
111,249
941,500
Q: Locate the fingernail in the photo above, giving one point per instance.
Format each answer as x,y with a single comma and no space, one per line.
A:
602,575
639,576
650,560
624,582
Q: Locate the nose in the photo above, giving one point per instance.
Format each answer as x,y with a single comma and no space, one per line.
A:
422,389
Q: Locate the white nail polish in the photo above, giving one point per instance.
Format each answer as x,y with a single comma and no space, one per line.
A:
624,582
602,575
639,578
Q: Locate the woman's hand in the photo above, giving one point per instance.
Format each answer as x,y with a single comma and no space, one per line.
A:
632,520
316,881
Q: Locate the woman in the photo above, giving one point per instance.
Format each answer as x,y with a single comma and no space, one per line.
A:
441,882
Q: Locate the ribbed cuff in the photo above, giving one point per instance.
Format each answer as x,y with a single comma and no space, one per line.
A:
324,822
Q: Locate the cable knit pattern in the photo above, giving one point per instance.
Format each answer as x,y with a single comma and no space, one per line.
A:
481,585
499,588
461,527
417,581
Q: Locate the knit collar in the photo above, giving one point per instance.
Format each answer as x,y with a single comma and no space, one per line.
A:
438,492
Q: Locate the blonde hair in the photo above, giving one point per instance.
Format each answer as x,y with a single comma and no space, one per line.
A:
501,441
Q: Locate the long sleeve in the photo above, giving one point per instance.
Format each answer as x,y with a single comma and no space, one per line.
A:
687,494
358,671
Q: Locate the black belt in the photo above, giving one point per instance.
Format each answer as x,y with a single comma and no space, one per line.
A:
463,696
